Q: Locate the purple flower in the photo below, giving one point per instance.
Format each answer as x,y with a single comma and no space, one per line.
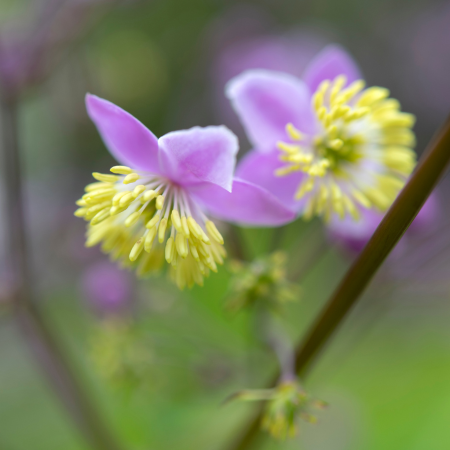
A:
165,186
106,287
338,147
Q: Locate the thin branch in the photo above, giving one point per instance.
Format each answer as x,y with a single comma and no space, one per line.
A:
407,205
42,340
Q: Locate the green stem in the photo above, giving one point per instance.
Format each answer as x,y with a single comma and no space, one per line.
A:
40,337
396,221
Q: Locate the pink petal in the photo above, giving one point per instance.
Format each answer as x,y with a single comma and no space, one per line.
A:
128,140
259,168
332,61
266,102
247,204
200,154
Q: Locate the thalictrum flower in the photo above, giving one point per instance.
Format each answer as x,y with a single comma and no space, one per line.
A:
324,145
154,205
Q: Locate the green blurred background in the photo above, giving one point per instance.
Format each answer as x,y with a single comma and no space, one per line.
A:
386,375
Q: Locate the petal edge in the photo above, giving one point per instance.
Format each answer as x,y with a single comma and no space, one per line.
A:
247,204
128,140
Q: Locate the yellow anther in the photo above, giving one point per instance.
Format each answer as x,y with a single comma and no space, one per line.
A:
98,207
118,196
398,120
317,100
80,212
99,193
293,132
132,219
390,185
214,232
323,86
149,195
176,220
342,111
282,171
204,237
117,210
347,94
288,148
126,199
81,202
377,198
131,178
351,208
184,226
336,144
194,251
322,113
337,85
372,95
122,170
100,216
97,185
332,131
169,250
401,160
338,206
306,186
153,221
336,192
361,198
149,238
138,190
387,106
159,202
162,230
107,178
194,227
339,81
335,112
137,249
181,245
304,158
319,168
327,120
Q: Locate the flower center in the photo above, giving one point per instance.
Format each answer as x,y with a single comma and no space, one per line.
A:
140,218
360,153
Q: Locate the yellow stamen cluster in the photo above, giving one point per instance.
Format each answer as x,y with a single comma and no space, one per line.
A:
133,224
360,155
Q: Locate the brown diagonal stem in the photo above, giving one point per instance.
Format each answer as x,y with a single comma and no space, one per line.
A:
41,338
396,221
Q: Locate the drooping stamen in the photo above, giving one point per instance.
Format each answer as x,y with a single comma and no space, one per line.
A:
132,224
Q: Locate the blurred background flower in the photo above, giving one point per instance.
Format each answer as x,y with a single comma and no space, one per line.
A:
107,288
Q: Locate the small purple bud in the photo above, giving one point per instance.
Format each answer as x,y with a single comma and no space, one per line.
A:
106,287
